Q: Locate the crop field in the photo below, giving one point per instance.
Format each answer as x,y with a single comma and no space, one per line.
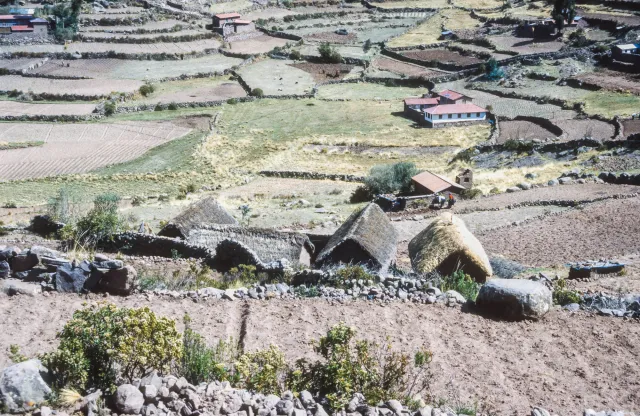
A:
193,90
475,49
442,55
230,6
523,46
19,64
365,91
16,109
256,45
610,104
631,127
138,70
152,25
99,36
578,129
384,63
126,48
277,77
538,89
328,72
78,148
84,87
523,130
510,107
429,31
612,81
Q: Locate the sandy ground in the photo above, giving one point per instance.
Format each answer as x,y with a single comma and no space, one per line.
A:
16,109
83,87
566,362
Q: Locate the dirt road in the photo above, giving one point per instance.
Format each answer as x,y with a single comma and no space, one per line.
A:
565,363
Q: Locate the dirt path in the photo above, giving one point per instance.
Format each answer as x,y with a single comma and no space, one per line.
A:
565,363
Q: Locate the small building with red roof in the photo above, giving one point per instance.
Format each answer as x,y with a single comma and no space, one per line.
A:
447,107
229,24
23,24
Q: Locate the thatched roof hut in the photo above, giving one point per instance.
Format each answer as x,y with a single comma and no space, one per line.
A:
367,238
205,211
446,245
234,245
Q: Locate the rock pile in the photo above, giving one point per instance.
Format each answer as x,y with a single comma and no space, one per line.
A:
53,271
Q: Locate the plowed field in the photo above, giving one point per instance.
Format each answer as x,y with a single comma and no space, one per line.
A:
83,87
16,109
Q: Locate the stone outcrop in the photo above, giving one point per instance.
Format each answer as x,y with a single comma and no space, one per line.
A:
514,299
22,386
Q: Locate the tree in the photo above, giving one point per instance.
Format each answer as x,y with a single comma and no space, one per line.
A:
329,54
492,69
563,10
387,179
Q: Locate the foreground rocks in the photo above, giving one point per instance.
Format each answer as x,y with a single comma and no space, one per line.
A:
515,299
22,386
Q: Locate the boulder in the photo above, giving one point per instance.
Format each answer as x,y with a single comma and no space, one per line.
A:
553,182
24,262
5,270
23,386
16,287
446,245
44,225
116,281
515,299
108,264
70,279
128,399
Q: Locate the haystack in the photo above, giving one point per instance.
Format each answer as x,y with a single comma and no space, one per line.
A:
234,245
446,245
205,211
367,238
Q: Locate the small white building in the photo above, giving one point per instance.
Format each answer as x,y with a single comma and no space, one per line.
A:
444,114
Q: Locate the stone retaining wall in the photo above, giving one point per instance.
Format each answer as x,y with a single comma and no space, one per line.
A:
311,175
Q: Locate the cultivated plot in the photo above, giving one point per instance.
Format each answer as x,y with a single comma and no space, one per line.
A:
82,87
256,45
16,109
193,90
125,48
277,77
78,148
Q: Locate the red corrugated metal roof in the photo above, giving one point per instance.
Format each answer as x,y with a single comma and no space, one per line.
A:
421,101
6,17
434,183
450,94
227,15
455,108
242,22
21,28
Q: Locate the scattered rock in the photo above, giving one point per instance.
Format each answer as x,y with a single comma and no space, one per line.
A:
515,298
23,387
128,399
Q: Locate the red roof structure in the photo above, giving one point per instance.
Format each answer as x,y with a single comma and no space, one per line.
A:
21,28
432,183
450,94
455,108
227,15
422,101
241,22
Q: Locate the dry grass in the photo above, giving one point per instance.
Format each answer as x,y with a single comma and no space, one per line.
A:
610,104
429,31
427,4
231,6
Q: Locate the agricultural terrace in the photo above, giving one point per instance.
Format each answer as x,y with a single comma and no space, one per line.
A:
17,109
429,31
277,77
191,90
179,48
81,87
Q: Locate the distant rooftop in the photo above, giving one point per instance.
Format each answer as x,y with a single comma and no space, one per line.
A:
455,108
227,15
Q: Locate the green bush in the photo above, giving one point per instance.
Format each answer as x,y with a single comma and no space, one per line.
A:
110,108
147,89
492,70
518,146
471,193
232,101
137,200
257,92
10,204
349,366
329,54
103,344
263,370
201,363
360,194
353,272
172,106
99,223
388,179
563,296
194,278
461,283
295,55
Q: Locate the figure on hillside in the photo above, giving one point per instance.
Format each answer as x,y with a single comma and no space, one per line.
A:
452,200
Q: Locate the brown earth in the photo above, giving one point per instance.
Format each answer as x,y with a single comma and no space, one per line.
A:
441,55
630,127
522,130
200,93
612,81
403,68
16,109
524,46
325,72
578,129
627,20
565,362
602,230
257,45
82,87
333,37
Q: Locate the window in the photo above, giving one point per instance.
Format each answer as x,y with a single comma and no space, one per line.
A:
450,115
440,116
466,179
468,114
478,115
459,115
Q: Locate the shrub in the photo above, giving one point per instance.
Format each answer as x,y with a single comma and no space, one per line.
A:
564,296
3,230
99,223
158,107
385,179
103,344
263,370
232,101
15,355
137,200
10,204
63,206
194,278
244,274
329,54
349,366
295,55
471,193
353,272
201,363
461,283
110,108
172,106
147,89
492,70
257,92
360,194
518,146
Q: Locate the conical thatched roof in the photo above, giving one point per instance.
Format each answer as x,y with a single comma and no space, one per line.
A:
367,238
235,245
205,211
446,245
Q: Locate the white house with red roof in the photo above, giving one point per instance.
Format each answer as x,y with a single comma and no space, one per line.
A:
447,107
229,24
17,24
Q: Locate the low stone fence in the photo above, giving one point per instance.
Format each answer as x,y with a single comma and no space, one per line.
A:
112,55
278,34
53,118
151,245
311,175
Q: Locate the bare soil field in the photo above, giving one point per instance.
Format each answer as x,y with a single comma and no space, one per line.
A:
441,55
523,46
83,87
257,45
194,90
159,25
508,366
629,20
78,148
18,64
578,129
325,72
126,48
600,230
333,37
98,36
522,130
403,68
135,69
630,127
612,81
277,77
15,109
